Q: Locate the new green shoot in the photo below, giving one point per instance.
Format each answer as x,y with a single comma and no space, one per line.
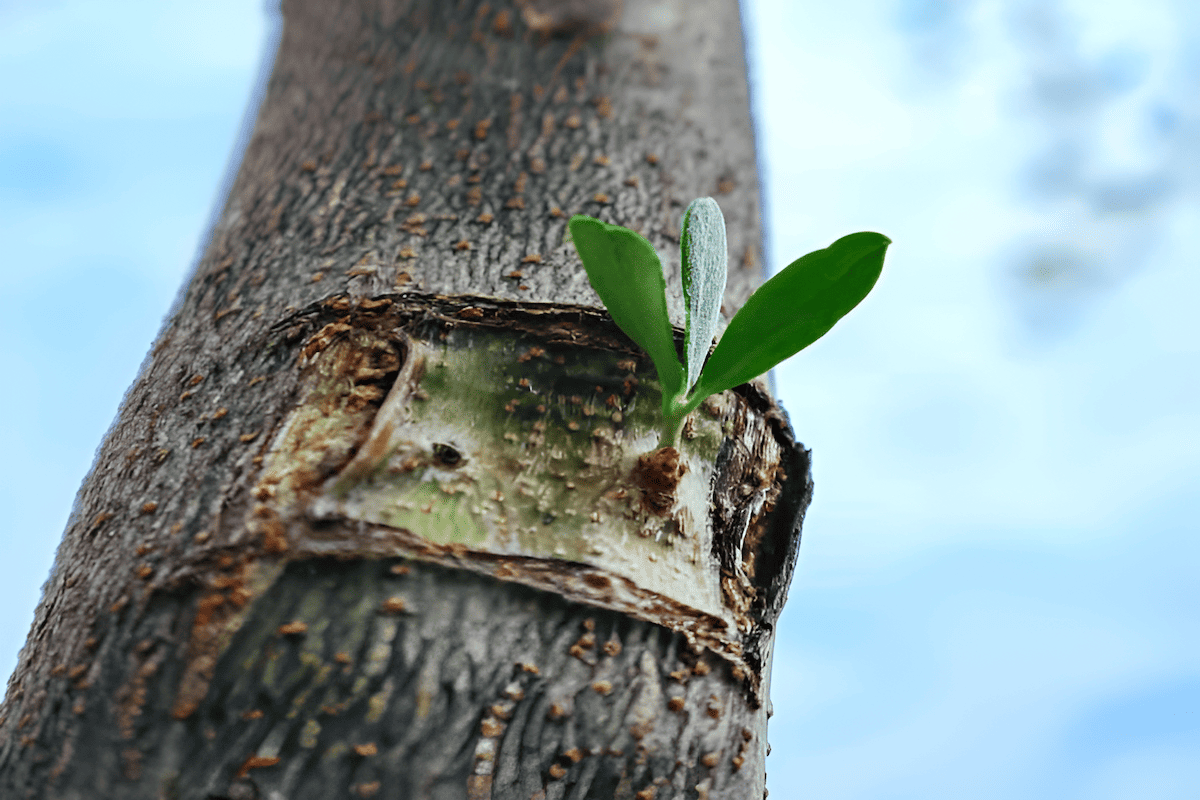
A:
786,314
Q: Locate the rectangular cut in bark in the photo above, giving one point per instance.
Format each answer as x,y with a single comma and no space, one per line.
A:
510,445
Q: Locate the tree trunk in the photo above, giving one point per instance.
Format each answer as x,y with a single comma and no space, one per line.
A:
373,521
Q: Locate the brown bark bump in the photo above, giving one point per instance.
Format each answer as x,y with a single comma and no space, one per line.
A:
570,17
657,474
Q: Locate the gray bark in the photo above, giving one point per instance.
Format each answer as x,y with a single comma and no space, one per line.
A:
206,633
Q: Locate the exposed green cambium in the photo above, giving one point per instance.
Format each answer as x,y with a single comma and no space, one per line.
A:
786,314
522,447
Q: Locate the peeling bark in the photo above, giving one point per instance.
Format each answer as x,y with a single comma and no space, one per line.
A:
382,516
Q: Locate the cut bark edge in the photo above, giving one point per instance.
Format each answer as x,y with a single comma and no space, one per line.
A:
755,513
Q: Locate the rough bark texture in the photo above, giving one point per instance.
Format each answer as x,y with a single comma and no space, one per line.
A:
205,633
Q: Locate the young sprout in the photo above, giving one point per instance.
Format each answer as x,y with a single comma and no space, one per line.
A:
786,314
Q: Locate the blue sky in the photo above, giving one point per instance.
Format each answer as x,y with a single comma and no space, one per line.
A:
997,591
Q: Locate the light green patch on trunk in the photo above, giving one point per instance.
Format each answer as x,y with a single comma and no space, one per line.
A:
510,445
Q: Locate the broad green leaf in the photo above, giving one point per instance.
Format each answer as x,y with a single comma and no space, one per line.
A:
625,271
794,309
705,262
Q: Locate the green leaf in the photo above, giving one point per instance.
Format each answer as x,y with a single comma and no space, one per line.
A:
705,262
625,271
794,309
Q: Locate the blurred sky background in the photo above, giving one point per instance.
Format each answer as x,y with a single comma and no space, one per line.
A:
997,593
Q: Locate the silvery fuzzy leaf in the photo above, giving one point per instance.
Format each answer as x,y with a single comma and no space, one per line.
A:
705,263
